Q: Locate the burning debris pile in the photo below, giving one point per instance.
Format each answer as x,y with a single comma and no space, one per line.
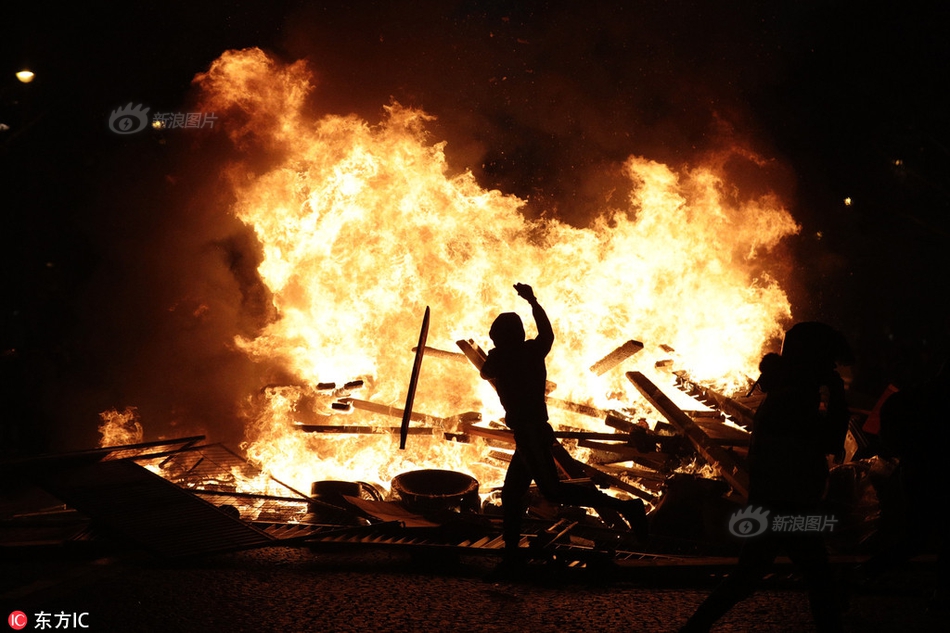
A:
363,228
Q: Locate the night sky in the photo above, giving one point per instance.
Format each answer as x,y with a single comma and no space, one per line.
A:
101,233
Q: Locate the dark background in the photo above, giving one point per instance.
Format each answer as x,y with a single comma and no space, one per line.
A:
109,248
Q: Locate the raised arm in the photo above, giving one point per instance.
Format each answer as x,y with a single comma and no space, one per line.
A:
545,332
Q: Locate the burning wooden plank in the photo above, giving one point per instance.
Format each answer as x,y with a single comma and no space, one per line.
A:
395,412
414,379
361,430
728,466
507,436
623,453
724,434
575,407
441,353
616,357
741,412
473,352
601,479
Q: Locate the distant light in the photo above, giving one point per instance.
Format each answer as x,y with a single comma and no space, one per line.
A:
158,124
25,76
4,127
819,235
847,202
898,162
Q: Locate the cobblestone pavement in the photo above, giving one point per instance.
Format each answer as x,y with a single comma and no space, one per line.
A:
296,589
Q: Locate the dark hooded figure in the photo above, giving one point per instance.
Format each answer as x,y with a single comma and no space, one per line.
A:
802,420
915,429
516,368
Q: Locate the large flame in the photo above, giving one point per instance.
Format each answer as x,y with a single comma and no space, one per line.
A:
118,428
362,227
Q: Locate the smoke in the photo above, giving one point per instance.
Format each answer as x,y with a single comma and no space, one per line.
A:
546,100
173,282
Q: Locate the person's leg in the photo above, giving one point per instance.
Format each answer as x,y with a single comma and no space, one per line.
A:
517,483
757,555
808,552
536,446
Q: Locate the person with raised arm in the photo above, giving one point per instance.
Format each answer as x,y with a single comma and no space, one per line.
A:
516,367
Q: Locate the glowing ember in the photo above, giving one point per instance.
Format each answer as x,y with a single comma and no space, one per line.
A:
362,227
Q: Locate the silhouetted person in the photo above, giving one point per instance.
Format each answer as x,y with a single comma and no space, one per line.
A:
516,368
802,420
914,429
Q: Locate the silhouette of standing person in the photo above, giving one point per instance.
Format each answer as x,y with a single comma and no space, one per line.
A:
915,430
802,420
516,367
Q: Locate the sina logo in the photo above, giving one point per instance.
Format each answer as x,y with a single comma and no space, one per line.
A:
749,522
128,120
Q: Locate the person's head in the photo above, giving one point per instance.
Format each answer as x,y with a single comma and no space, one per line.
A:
816,348
507,330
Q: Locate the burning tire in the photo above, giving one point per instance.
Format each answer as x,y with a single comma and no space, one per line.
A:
425,491
329,503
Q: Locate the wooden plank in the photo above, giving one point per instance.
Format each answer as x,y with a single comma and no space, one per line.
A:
506,435
728,466
361,430
396,412
723,434
583,409
473,352
624,453
414,379
441,353
577,469
616,357
742,413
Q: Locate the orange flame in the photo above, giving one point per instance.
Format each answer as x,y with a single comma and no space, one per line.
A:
362,226
119,428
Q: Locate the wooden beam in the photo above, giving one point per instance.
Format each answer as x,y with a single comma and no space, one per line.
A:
724,434
395,412
725,462
616,357
441,353
473,352
414,378
583,409
362,430
742,413
624,453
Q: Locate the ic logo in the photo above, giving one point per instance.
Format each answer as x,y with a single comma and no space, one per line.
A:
18,620
128,120
749,522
